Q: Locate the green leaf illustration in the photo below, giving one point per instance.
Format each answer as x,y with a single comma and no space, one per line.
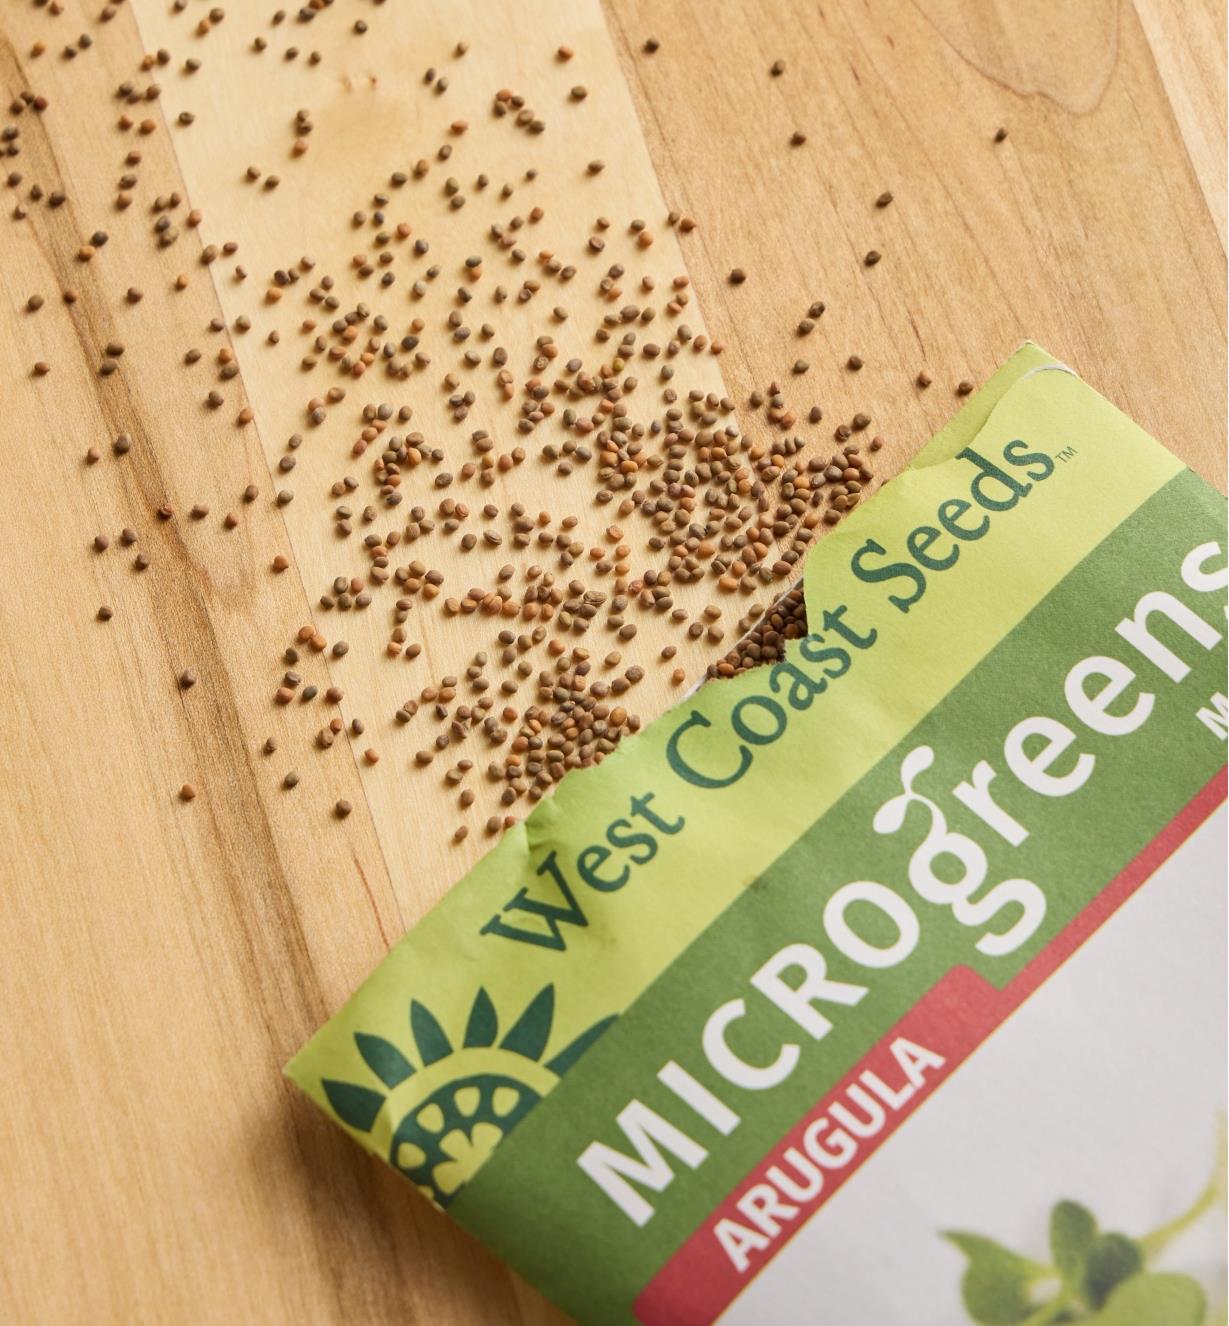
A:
1111,1259
357,1106
1073,1228
383,1058
531,1030
1149,1299
429,1036
483,1024
1097,1279
996,1281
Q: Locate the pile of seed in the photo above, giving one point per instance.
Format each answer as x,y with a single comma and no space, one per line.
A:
693,498
766,636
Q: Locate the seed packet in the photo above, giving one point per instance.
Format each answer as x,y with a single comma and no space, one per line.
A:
884,984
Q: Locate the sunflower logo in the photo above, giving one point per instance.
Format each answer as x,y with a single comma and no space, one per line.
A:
444,1114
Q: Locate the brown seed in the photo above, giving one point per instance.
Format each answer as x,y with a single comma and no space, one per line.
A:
105,613
797,138
187,679
777,68
342,808
872,257
737,276
291,779
884,199
923,379
371,756
963,388
1000,134
187,792
854,362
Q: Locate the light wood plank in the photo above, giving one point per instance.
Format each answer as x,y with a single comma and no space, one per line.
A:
369,124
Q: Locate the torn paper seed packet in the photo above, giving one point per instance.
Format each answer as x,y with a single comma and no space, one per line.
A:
884,984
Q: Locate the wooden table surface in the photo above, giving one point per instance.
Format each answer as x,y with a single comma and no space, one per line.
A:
163,958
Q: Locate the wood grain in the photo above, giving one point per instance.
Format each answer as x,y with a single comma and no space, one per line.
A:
163,959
